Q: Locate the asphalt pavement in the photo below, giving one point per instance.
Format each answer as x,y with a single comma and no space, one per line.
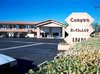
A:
29,52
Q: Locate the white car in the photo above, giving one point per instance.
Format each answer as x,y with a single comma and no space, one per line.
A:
6,62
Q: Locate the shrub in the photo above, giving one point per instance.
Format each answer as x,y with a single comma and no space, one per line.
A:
84,59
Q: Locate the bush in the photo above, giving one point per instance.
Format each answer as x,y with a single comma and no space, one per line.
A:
84,59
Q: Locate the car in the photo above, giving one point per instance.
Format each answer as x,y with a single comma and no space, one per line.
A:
6,63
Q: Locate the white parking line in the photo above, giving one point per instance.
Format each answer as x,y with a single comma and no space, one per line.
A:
32,42
21,42
35,42
51,43
20,46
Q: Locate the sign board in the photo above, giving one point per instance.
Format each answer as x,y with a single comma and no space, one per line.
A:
79,28
79,19
76,39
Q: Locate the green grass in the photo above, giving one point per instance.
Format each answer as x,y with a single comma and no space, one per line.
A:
85,61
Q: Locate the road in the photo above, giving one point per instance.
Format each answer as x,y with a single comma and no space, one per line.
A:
29,52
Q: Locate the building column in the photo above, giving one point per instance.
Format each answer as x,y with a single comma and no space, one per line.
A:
50,32
63,32
38,32
29,28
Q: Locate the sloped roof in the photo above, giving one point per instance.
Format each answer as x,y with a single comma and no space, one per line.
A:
49,21
20,23
35,23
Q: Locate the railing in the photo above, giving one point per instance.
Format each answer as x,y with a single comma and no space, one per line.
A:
16,30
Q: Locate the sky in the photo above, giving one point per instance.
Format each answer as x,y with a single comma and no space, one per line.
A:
40,10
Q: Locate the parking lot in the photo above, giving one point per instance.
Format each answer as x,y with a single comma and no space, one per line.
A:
29,52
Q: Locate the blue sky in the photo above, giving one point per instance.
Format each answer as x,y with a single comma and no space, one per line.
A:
39,10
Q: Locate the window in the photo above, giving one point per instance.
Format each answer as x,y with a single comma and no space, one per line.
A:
1,26
17,26
26,26
21,26
56,34
14,26
10,26
33,26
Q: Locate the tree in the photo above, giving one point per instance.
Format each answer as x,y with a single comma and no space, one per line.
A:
96,27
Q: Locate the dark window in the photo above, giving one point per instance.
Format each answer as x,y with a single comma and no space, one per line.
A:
55,34
1,26
33,26
14,26
21,26
10,26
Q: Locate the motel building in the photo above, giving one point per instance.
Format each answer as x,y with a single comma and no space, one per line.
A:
45,29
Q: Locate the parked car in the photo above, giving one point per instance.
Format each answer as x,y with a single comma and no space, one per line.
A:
1,36
21,36
6,63
29,36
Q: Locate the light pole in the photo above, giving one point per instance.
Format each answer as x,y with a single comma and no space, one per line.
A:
97,17
97,9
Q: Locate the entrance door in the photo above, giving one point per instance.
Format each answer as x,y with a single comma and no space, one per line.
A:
55,34
44,35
